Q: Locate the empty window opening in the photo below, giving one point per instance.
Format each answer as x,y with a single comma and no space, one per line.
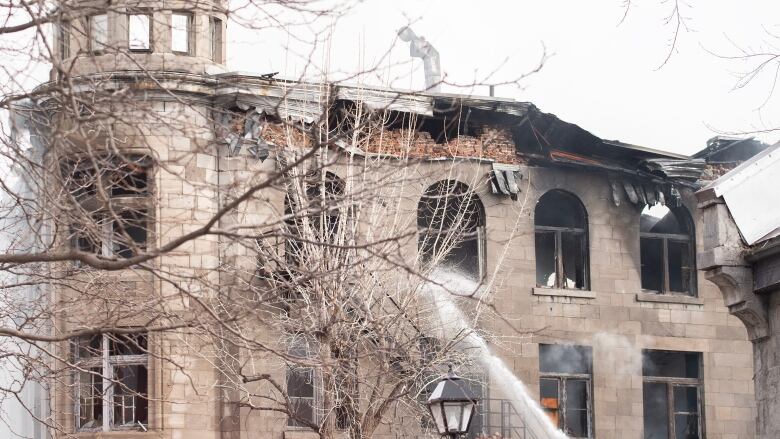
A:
129,179
98,32
565,387
666,248
672,394
139,29
112,387
215,37
451,224
181,33
561,223
129,234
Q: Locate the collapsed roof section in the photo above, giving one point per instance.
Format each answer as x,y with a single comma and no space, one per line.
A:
435,126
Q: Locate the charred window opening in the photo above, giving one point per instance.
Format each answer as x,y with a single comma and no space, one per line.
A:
565,387
112,382
313,218
451,224
301,385
667,251
561,230
129,234
672,395
119,225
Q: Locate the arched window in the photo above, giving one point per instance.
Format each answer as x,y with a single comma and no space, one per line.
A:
561,225
667,250
313,216
451,221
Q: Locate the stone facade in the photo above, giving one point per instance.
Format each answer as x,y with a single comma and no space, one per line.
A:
196,173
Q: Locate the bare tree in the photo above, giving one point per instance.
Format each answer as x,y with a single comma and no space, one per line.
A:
171,242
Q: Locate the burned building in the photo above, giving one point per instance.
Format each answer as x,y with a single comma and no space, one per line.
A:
585,248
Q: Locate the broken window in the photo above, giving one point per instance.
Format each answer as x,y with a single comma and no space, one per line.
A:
672,394
215,37
561,224
451,224
112,384
667,250
98,32
129,234
139,31
118,226
565,373
181,33
301,387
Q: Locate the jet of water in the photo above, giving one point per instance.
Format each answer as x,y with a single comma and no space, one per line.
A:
454,321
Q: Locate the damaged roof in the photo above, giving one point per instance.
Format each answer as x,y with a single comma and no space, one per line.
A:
540,138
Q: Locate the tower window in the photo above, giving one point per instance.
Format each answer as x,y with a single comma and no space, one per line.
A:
215,36
63,39
561,224
112,382
139,32
98,32
181,33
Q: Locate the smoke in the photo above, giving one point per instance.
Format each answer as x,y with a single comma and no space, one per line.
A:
446,287
618,354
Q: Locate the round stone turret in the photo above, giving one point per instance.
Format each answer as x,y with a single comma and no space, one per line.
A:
174,36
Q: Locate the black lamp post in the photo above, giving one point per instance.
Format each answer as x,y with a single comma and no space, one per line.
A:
452,406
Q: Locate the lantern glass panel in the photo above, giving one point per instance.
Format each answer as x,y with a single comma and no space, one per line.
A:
453,412
436,412
468,408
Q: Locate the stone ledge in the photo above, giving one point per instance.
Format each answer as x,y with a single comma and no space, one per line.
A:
557,292
300,434
669,298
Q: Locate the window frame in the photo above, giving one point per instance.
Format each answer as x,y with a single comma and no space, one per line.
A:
562,378
63,39
428,237
91,37
560,274
107,362
132,206
683,217
676,382
302,346
190,30
140,12
215,39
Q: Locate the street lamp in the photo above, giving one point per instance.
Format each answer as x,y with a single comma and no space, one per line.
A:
452,406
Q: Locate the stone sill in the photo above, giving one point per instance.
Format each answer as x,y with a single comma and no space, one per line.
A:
558,292
669,298
300,434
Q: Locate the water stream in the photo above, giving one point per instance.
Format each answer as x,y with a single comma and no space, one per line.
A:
501,377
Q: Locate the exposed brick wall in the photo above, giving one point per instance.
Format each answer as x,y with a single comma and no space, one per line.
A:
492,143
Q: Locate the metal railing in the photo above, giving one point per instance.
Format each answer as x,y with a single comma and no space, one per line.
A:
498,419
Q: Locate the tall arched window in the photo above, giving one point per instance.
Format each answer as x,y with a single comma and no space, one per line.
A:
313,217
667,250
561,225
451,223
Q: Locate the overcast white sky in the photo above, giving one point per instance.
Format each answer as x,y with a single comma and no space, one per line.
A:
602,75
